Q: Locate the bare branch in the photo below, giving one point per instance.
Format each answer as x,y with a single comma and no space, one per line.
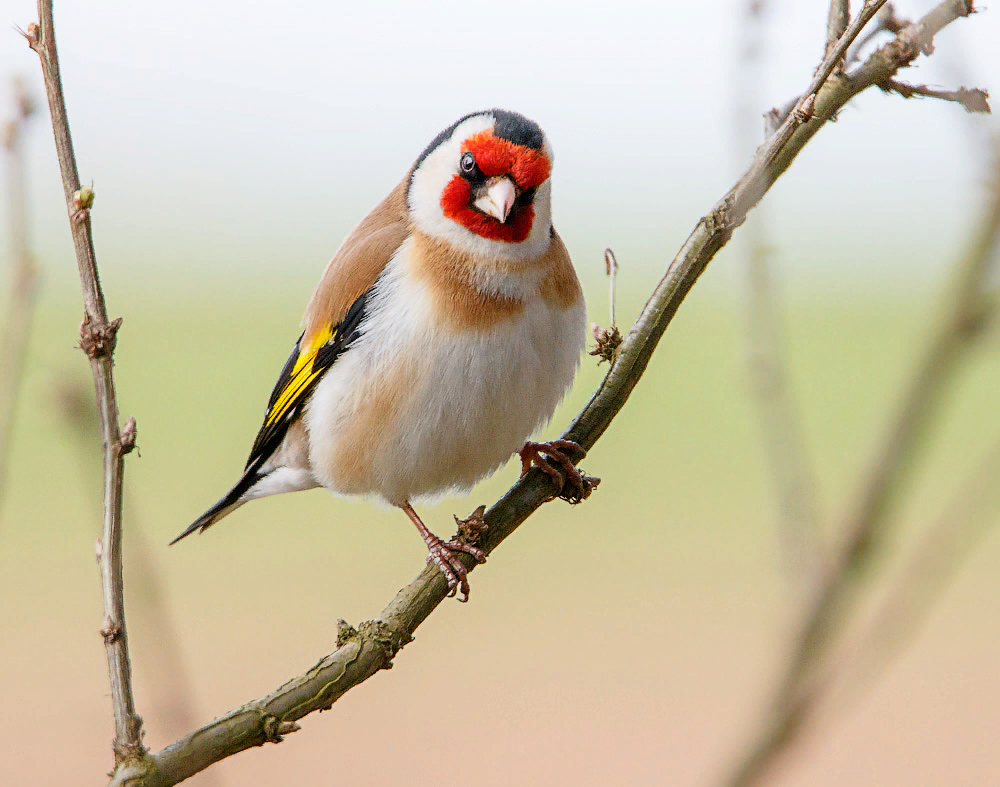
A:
886,21
172,699
972,99
836,22
806,675
776,405
936,559
97,338
372,646
24,273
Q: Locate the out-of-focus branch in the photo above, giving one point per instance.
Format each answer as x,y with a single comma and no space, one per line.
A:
807,674
777,409
24,277
936,559
886,21
98,335
971,99
371,647
836,22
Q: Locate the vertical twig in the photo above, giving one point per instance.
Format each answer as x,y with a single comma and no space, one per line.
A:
23,291
777,410
608,339
97,339
836,22
172,698
611,270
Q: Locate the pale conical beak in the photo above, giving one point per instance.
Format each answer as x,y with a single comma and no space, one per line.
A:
498,199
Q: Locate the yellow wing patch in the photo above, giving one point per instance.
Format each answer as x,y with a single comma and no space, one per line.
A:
301,376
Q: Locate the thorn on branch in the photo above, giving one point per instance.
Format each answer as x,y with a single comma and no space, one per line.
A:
129,434
98,340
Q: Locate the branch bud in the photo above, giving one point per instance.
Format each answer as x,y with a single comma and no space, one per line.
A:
31,35
129,433
83,201
98,340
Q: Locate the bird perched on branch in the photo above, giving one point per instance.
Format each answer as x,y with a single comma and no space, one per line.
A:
444,332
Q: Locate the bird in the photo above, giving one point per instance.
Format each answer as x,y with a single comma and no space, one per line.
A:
442,335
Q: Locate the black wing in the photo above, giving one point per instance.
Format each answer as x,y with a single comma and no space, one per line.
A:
295,385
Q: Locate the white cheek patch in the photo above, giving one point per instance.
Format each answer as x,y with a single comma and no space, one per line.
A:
436,171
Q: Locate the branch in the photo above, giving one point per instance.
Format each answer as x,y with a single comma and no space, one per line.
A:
836,22
364,651
886,21
23,291
777,409
936,559
805,678
973,100
97,339
171,697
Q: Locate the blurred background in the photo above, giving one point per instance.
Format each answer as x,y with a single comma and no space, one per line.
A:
631,640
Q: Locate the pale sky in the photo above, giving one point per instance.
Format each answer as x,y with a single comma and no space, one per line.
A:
231,137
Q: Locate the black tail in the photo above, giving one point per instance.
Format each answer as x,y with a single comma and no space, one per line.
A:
226,505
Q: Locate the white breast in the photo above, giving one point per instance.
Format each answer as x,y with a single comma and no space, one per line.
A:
415,409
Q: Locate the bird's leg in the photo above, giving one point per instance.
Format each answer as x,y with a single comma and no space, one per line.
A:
531,454
442,553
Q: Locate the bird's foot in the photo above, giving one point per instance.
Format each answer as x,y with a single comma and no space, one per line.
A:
443,554
555,451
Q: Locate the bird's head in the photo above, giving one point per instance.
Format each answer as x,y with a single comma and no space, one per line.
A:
483,185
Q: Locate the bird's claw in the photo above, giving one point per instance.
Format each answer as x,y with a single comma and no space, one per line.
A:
582,485
442,554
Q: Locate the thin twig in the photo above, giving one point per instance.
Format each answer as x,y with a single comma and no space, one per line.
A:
836,22
608,339
611,269
24,275
98,335
886,21
371,647
172,699
863,526
777,408
974,99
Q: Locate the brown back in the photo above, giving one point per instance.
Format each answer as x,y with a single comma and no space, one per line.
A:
358,262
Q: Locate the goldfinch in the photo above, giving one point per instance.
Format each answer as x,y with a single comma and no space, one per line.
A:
443,333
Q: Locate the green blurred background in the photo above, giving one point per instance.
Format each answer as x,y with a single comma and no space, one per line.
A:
630,640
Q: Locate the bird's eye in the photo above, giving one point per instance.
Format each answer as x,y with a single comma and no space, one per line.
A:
468,164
